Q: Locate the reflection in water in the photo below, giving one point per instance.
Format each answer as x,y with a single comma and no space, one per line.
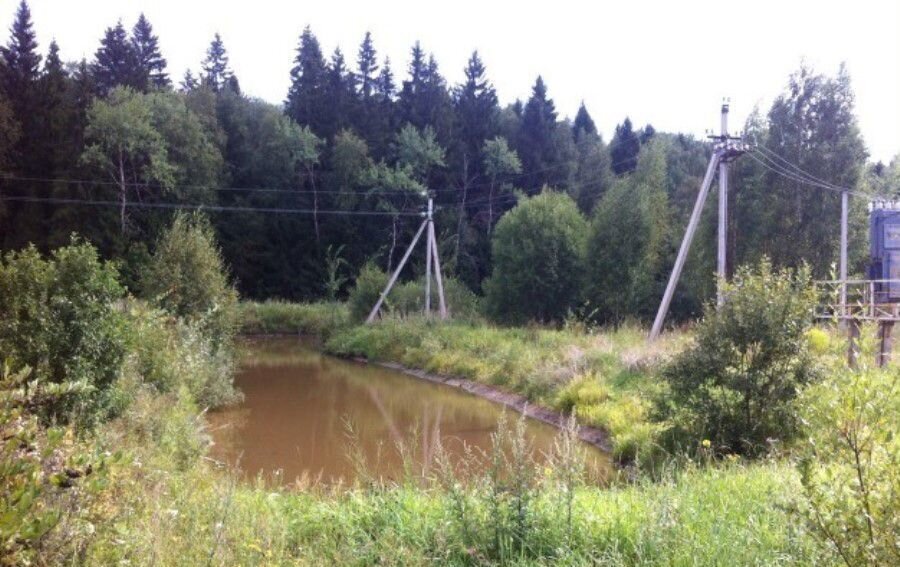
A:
300,405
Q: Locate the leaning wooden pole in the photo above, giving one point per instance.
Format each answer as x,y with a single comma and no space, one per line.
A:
685,246
396,274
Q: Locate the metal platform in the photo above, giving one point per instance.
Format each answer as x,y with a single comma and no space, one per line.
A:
858,300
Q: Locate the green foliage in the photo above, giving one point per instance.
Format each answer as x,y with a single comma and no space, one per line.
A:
170,354
737,385
24,451
334,280
61,319
419,151
370,282
187,277
629,242
849,463
319,320
538,251
123,143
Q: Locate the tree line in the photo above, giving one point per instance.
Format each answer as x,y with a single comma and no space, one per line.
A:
356,146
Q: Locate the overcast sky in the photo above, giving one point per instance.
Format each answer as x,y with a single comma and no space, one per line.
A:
662,62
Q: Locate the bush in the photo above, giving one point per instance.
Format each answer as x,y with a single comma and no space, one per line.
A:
169,354
737,384
58,316
369,284
187,277
850,463
538,252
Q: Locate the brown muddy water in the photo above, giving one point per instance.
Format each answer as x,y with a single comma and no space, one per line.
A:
300,405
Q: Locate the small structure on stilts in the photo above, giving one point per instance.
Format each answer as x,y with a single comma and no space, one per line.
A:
877,299
432,263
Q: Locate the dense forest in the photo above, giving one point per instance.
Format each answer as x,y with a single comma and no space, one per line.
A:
110,148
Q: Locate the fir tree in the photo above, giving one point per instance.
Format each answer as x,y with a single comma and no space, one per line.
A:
624,148
115,61
306,100
385,87
476,107
583,124
536,145
216,73
647,133
424,100
189,82
340,92
368,66
21,61
150,62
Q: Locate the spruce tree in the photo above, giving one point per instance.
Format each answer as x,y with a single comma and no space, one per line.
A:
21,59
306,100
150,62
368,67
583,124
476,108
385,87
424,100
624,148
115,62
536,144
189,82
340,92
216,73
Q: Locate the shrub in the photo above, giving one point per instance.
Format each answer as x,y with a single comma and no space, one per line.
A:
187,277
58,316
169,353
369,284
737,384
849,463
538,253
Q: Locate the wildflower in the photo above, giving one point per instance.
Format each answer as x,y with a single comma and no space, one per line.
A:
706,444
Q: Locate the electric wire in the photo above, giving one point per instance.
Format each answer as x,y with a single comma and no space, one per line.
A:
201,207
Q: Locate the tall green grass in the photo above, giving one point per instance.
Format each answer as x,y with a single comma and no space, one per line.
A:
162,505
274,317
606,378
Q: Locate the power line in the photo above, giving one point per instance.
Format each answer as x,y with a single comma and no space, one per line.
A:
10,177
795,167
201,207
772,166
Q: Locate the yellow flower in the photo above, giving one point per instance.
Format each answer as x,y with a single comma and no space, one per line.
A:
706,443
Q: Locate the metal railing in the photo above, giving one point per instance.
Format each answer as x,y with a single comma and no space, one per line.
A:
875,300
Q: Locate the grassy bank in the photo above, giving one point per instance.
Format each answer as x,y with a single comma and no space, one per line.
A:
159,502
607,378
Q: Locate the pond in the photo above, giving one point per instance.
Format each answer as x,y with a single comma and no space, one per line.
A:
305,413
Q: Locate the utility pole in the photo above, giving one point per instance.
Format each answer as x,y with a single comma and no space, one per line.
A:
726,149
432,261
428,247
845,213
722,253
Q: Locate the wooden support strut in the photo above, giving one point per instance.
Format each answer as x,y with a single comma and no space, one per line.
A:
396,273
685,246
432,261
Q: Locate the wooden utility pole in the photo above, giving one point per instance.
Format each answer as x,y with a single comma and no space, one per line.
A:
432,261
